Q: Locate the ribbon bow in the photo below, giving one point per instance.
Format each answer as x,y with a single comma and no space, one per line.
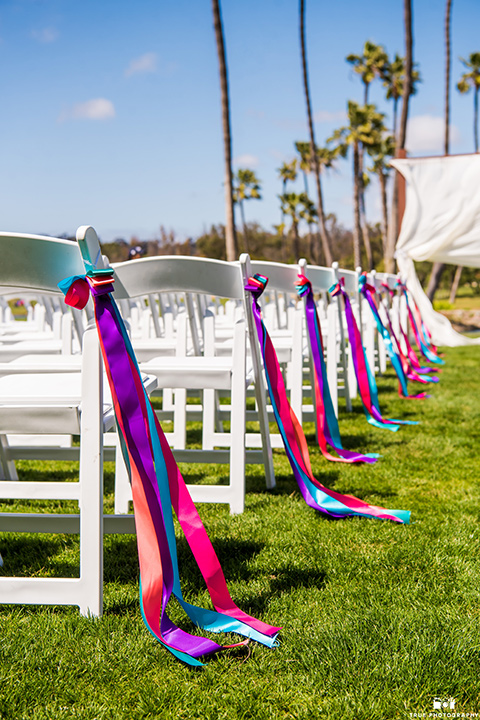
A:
77,288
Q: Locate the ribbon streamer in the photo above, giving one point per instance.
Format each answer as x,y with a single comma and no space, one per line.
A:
424,345
369,293
410,372
157,486
327,425
315,494
365,378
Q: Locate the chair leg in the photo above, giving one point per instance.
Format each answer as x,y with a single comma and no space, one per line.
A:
7,467
237,423
123,489
91,480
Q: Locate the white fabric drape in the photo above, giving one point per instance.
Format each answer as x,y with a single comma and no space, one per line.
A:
441,223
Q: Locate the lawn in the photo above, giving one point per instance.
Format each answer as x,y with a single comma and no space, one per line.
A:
378,619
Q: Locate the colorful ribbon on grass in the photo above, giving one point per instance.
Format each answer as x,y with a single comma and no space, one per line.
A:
368,292
315,494
365,378
419,332
157,486
411,373
328,432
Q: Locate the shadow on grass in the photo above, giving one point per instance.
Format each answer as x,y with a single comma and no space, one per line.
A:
283,580
31,555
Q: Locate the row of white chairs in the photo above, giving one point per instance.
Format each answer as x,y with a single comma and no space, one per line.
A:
63,393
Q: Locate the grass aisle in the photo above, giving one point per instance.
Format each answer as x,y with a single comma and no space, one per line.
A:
378,619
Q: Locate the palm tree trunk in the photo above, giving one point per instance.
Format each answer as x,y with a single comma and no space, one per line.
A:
395,112
438,268
311,242
407,86
393,229
475,118
383,193
284,237
320,210
365,233
447,76
356,209
296,242
244,225
363,215
230,233
434,281
455,284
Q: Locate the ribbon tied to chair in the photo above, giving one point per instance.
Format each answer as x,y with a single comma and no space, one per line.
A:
368,291
420,332
327,424
365,378
157,486
410,370
315,494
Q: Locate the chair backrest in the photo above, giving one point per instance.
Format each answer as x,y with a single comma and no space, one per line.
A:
281,277
37,262
177,273
322,278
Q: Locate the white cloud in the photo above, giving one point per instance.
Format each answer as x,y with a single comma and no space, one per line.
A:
45,35
248,161
96,109
329,116
144,64
426,133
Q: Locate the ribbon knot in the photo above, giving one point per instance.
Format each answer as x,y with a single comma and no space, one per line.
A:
364,286
256,284
303,285
77,288
337,287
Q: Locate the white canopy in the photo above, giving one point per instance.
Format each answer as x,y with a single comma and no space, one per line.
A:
441,223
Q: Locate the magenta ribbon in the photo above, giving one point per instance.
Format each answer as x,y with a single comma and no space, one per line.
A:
423,344
368,291
365,378
315,494
410,372
157,486
328,431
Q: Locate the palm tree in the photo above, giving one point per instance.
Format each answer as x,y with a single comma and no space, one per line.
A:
230,233
380,154
298,207
320,210
400,145
394,78
364,129
326,157
438,267
246,187
372,63
287,173
471,79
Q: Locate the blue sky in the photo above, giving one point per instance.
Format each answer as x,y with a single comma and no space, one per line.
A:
111,109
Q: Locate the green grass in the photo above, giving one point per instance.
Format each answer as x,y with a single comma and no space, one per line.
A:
378,619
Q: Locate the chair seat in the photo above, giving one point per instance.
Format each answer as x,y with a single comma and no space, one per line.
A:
196,373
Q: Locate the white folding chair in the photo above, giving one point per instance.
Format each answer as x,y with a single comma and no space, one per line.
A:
207,373
51,402
283,317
